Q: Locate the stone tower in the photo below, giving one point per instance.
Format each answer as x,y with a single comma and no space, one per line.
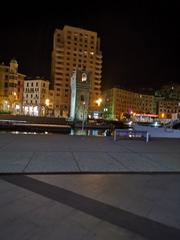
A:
80,94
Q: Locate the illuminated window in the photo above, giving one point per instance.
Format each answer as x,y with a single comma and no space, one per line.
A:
84,77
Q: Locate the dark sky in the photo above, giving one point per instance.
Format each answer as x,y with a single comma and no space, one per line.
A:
138,41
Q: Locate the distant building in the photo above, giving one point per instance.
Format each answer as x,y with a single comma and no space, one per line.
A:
80,95
170,91
11,87
169,107
74,48
36,100
119,102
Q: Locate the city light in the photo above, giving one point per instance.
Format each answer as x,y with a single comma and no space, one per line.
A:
99,101
47,102
17,107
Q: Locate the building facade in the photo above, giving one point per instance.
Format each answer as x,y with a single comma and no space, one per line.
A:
168,107
169,101
11,87
51,102
170,91
74,49
36,97
80,95
119,102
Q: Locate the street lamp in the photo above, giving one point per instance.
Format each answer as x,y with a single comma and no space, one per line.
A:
105,112
83,113
99,101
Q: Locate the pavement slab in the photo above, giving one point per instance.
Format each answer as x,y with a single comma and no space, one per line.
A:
52,162
126,206
53,153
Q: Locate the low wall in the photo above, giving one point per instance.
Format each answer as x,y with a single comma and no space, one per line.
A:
32,119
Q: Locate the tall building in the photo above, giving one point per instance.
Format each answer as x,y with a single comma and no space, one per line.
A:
74,49
11,86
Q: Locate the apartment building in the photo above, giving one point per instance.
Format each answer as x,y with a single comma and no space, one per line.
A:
170,91
168,107
36,97
74,49
11,86
118,102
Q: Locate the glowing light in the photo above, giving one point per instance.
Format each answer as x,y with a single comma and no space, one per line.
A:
155,124
47,102
130,123
84,77
99,101
31,109
146,115
36,110
17,107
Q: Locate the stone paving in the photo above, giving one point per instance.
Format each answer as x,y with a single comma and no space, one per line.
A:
79,154
58,204
90,207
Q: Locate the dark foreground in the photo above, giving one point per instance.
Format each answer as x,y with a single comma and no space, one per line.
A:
90,206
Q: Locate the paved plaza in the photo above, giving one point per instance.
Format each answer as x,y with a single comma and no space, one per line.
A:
90,207
88,188
55,153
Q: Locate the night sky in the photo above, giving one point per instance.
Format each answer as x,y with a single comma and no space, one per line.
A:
138,41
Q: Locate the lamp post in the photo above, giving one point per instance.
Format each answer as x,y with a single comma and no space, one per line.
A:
98,101
105,113
83,112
